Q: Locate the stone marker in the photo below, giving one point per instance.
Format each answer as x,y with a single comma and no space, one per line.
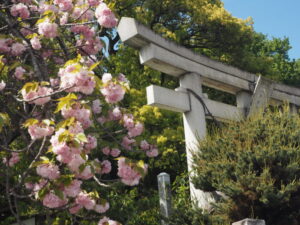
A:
164,189
250,222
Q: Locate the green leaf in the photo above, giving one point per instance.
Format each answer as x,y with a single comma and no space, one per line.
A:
30,122
65,102
42,193
81,137
81,167
48,122
59,193
44,83
70,96
30,86
66,179
65,136
92,67
66,123
35,164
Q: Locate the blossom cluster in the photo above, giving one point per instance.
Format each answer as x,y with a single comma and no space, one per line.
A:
70,107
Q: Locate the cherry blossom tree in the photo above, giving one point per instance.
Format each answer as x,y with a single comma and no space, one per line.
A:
62,122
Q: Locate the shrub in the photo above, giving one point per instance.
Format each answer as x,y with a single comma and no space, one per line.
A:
256,164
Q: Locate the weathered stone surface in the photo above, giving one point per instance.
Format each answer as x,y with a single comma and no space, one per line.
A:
250,222
165,198
261,95
179,101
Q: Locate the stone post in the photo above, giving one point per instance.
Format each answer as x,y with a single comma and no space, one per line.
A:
250,222
164,189
194,131
243,101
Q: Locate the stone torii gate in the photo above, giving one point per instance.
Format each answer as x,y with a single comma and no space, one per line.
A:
194,71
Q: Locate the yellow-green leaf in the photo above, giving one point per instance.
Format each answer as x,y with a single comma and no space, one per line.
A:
30,122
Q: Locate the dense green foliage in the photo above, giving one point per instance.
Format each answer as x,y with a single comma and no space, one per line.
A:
256,164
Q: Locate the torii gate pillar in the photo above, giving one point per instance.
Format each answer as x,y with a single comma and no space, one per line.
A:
194,130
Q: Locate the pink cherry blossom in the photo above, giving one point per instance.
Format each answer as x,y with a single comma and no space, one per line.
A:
2,85
25,31
17,49
136,130
115,114
64,19
105,16
48,29
102,208
123,78
153,152
20,10
4,47
75,209
128,121
84,200
19,72
54,82
127,142
73,189
85,30
101,120
64,5
94,2
13,159
53,201
113,93
80,81
105,167
86,173
128,175
96,107
106,77
49,171
45,7
35,43
90,46
76,128
144,145
22,1
81,114
58,60
106,150
115,152
76,162
107,221
38,186
33,8
92,142
29,185
38,131
34,94
47,53
62,150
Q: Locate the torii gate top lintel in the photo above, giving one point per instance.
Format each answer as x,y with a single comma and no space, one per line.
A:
170,58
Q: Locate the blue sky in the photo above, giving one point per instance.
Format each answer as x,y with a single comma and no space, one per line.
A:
276,18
